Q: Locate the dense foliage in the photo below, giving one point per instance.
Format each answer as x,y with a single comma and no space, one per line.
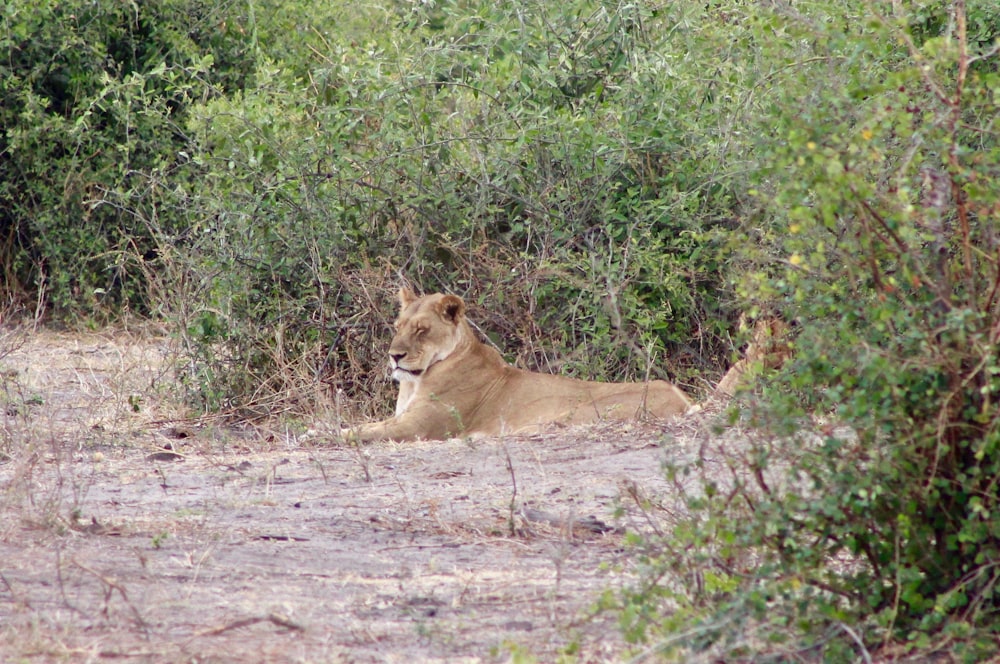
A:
265,176
865,510
609,185
93,99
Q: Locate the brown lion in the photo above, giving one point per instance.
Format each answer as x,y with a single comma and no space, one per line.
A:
768,349
452,384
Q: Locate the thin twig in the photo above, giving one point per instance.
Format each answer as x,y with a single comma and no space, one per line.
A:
276,618
111,586
513,496
857,639
958,192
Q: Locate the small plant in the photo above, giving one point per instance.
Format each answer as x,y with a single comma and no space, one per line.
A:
515,652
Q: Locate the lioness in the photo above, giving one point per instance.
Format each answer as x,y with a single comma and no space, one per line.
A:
452,384
768,349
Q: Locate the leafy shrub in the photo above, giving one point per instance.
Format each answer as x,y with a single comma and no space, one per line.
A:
882,526
490,150
240,168
90,100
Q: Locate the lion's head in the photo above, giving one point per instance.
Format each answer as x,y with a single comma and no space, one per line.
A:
428,330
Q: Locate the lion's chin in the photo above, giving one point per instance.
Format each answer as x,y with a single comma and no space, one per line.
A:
406,375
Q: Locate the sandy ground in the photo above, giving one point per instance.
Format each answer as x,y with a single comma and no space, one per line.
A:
126,537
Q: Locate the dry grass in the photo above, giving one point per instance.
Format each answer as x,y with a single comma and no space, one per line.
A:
249,545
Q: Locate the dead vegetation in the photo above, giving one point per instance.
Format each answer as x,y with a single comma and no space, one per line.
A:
129,533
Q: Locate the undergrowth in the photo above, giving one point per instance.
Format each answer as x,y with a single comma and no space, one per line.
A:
859,516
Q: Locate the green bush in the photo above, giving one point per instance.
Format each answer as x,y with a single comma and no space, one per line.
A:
496,151
91,94
863,509
244,170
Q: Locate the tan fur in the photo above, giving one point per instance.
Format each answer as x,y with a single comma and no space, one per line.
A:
768,349
451,384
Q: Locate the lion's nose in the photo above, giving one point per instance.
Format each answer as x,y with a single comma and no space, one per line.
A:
396,357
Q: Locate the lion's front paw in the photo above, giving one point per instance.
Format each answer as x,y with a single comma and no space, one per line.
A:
327,434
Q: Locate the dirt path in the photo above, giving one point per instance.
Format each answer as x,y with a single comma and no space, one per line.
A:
237,548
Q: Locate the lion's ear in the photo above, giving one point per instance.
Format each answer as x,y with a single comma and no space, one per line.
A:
451,308
406,297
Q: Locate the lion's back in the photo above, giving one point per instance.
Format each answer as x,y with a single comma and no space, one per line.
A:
531,400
